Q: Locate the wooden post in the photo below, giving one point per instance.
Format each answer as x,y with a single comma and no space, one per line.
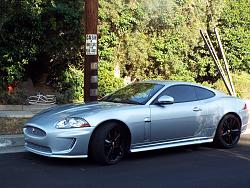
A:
91,51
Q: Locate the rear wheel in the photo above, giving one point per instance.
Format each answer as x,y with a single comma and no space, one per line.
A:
108,144
228,132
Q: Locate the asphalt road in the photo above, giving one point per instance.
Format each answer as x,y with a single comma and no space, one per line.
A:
193,166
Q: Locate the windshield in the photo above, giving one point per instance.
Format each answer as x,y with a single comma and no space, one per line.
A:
138,93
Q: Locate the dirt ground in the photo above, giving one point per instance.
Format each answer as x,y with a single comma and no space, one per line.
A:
10,126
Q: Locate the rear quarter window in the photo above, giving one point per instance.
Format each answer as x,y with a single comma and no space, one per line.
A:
181,93
203,93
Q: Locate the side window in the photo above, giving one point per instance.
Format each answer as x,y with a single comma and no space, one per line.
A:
203,93
181,93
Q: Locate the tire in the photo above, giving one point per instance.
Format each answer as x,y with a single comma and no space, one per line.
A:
228,132
108,144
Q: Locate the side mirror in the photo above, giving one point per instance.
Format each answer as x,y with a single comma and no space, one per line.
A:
165,99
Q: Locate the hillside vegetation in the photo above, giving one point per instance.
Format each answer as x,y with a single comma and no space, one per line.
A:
145,39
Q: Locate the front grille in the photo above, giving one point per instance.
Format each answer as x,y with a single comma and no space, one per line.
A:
34,131
38,147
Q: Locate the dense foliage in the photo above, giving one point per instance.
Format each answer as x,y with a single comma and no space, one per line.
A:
235,24
146,39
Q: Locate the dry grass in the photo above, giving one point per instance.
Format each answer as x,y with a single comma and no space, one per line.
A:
9,126
241,82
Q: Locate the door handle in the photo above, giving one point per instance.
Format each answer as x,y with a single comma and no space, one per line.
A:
147,119
197,109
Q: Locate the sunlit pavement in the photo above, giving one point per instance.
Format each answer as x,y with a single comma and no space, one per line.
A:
248,130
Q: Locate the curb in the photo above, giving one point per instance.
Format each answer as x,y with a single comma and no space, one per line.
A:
16,114
11,143
11,140
22,111
16,149
32,108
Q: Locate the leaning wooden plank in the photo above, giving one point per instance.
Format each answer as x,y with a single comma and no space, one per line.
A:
225,60
216,60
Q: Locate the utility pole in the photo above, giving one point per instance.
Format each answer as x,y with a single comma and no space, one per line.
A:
91,51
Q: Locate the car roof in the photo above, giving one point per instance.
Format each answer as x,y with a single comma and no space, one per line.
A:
173,82
169,82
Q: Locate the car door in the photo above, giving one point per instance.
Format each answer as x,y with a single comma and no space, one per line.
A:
182,119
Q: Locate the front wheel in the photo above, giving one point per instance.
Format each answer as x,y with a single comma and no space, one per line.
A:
228,132
108,144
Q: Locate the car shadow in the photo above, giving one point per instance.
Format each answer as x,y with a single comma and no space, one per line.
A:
87,162
50,161
167,152
134,157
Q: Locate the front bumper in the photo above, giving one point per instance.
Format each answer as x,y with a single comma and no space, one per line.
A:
61,143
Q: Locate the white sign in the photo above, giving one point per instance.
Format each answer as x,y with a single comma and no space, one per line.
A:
91,44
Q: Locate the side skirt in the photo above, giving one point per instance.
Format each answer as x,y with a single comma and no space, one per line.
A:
170,144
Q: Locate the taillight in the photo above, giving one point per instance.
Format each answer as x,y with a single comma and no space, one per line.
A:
245,107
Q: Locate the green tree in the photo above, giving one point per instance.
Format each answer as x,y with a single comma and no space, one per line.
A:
234,25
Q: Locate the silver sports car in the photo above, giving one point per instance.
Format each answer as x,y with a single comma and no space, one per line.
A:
142,116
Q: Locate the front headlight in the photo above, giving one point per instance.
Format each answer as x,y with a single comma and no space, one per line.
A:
72,122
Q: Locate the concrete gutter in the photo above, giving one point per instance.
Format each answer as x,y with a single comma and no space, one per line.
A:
11,144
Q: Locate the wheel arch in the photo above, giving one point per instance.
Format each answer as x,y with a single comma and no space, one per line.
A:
235,114
221,142
125,129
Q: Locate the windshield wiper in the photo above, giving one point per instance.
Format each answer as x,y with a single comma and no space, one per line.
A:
131,102
122,101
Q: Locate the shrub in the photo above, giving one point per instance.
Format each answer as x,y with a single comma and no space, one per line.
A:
71,85
107,82
17,97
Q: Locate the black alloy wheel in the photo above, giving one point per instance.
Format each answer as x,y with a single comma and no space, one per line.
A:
108,145
114,145
228,132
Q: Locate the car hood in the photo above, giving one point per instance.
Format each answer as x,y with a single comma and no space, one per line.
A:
73,110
